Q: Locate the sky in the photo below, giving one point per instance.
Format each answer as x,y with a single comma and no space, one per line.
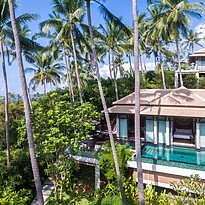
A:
121,8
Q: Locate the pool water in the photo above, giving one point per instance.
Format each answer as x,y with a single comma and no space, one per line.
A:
174,154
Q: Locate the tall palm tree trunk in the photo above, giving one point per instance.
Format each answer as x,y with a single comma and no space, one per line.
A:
137,107
179,62
29,98
44,87
162,66
76,66
104,105
163,76
140,58
6,102
34,163
130,62
144,63
69,81
115,76
109,65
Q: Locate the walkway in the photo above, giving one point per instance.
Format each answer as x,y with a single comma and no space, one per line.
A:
47,189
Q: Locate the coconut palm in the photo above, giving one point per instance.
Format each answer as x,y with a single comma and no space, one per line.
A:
176,17
60,37
114,38
3,22
70,14
6,48
34,163
45,69
95,64
156,37
192,38
137,106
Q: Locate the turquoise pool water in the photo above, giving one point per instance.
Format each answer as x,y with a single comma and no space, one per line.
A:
189,156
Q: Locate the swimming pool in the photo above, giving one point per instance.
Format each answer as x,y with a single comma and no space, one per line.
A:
174,154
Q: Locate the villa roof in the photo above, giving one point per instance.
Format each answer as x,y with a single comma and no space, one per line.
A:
199,53
164,102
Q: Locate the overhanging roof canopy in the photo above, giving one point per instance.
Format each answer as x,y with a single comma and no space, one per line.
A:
200,53
164,102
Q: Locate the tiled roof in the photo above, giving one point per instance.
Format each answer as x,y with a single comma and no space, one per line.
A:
169,102
198,53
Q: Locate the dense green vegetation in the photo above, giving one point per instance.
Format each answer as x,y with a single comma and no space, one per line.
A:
39,136
57,126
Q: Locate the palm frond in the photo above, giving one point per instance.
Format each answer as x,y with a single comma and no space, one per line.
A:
108,16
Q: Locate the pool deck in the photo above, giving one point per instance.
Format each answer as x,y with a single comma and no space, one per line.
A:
161,175
168,169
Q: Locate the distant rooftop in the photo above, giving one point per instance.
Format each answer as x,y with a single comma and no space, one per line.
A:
199,53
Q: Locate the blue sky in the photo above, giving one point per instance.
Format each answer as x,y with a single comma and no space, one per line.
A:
121,8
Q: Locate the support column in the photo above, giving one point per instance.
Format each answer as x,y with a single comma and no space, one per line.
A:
171,131
97,176
194,126
118,126
167,132
155,131
197,140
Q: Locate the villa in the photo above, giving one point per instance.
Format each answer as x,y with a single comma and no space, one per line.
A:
197,62
172,132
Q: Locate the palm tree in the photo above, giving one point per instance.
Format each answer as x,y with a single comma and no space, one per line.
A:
3,22
34,163
156,37
192,38
59,37
6,40
45,69
176,17
114,41
137,106
95,64
71,14
6,102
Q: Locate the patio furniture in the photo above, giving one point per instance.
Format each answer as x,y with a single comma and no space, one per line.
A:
183,134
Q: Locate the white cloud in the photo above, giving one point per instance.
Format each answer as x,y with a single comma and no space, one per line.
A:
150,66
2,90
201,29
105,73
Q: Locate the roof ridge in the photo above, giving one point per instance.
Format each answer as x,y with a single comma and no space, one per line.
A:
201,50
171,92
123,98
197,95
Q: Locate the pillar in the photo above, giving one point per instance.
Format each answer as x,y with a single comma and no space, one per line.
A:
155,131
197,140
194,126
167,132
118,126
171,130
97,176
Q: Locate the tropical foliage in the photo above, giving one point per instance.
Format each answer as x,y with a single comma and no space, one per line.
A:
42,134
